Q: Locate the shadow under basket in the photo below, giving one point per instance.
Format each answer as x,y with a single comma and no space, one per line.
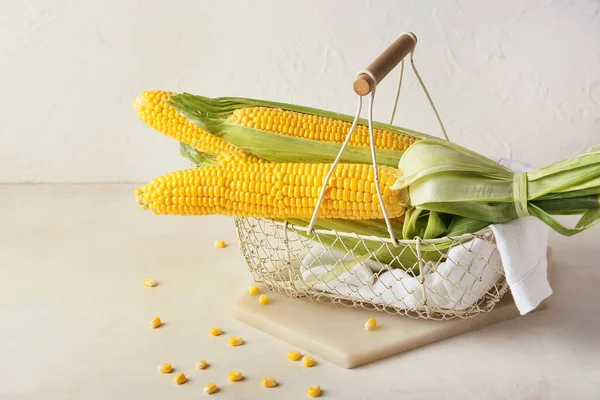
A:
436,279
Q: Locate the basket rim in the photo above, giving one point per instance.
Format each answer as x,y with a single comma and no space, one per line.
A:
417,240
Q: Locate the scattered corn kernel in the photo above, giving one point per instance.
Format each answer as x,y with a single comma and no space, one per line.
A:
235,376
220,244
253,290
155,323
165,368
215,331
371,324
201,364
149,282
308,361
179,378
263,299
211,388
294,355
236,341
269,382
314,391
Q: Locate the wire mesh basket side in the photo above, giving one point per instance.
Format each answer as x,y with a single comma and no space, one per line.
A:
434,279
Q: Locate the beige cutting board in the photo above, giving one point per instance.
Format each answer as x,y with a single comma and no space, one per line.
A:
336,333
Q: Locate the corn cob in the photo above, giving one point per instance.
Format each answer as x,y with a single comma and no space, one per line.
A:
268,190
154,109
282,133
315,127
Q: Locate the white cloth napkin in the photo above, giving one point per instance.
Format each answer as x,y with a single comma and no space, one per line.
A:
320,261
468,273
523,245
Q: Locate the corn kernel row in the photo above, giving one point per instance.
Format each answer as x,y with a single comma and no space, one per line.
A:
315,127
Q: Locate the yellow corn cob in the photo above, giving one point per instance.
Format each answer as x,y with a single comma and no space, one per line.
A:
155,111
315,127
273,190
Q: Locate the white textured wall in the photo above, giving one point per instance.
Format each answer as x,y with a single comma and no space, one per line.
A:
512,78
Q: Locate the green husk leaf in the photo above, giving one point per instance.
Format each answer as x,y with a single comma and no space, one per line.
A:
462,225
395,257
223,107
198,158
568,206
435,226
444,177
589,219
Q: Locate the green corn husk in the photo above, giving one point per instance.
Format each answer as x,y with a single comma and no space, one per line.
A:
447,178
568,187
453,190
211,114
198,158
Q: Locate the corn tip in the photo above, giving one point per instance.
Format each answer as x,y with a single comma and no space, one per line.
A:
138,103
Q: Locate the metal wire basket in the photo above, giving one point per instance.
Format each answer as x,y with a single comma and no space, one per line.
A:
434,279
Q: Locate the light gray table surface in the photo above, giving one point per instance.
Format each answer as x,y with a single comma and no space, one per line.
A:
74,315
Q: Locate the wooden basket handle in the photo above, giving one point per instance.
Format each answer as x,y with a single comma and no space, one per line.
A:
385,63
